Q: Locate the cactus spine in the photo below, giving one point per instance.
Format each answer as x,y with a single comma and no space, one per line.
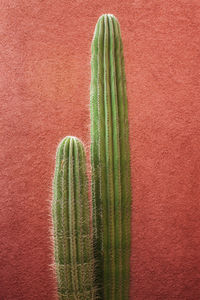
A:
111,188
73,250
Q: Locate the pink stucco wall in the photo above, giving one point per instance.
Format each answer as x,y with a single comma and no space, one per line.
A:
45,79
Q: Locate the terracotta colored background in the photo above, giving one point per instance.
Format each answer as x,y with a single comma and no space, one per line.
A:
45,79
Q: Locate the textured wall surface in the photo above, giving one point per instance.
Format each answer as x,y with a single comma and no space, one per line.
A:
44,82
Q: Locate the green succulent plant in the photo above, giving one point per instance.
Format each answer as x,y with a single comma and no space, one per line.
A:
73,251
110,159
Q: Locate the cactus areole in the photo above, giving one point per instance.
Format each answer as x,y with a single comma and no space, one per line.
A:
73,249
111,187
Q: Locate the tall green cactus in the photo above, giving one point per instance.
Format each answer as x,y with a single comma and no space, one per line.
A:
111,187
73,249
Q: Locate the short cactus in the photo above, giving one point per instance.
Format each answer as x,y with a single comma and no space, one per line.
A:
111,187
73,250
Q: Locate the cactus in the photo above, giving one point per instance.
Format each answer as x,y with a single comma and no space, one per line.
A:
111,187
73,250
